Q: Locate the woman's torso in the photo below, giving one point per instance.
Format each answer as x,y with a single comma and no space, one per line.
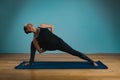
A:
47,40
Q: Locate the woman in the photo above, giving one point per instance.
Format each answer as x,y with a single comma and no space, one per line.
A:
44,39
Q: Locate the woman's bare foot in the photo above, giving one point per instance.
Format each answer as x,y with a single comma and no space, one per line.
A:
95,64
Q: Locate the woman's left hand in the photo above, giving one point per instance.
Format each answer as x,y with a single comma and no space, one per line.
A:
41,51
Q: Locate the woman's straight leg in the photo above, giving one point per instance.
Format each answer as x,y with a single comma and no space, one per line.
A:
63,46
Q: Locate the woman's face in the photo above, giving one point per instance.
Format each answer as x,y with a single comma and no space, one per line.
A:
29,28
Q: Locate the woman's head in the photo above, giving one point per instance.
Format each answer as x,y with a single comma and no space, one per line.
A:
28,28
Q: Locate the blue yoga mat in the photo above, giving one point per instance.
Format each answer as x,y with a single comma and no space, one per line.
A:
62,65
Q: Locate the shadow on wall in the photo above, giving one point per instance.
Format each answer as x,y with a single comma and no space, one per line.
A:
117,22
9,10
112,10
113,7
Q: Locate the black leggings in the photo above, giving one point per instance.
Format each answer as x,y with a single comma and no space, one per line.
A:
62,46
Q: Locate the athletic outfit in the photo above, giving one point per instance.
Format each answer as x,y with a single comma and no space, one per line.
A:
49,41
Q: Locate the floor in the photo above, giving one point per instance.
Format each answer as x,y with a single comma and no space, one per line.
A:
9,61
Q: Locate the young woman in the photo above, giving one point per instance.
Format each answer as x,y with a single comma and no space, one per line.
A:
44,39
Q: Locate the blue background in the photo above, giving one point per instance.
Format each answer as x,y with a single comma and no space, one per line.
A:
89,26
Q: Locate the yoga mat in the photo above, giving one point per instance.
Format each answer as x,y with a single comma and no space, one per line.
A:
62,65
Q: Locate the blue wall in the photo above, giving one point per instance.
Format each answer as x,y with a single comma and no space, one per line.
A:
89,26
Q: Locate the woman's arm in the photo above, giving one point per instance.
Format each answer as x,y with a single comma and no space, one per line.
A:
47,26
34,46
37,46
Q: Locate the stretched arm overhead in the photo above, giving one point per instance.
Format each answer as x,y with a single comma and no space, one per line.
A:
47,26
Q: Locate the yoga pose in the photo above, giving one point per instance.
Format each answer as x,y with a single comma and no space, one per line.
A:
44,39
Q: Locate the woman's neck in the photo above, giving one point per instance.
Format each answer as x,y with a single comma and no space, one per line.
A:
36,31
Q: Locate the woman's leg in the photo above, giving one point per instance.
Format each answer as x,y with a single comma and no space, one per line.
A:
66,48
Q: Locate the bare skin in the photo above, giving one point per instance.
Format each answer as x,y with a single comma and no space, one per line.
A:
35,31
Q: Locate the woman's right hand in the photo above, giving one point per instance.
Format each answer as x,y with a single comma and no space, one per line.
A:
26,64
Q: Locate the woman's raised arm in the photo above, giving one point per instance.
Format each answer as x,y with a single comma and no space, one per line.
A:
47,26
